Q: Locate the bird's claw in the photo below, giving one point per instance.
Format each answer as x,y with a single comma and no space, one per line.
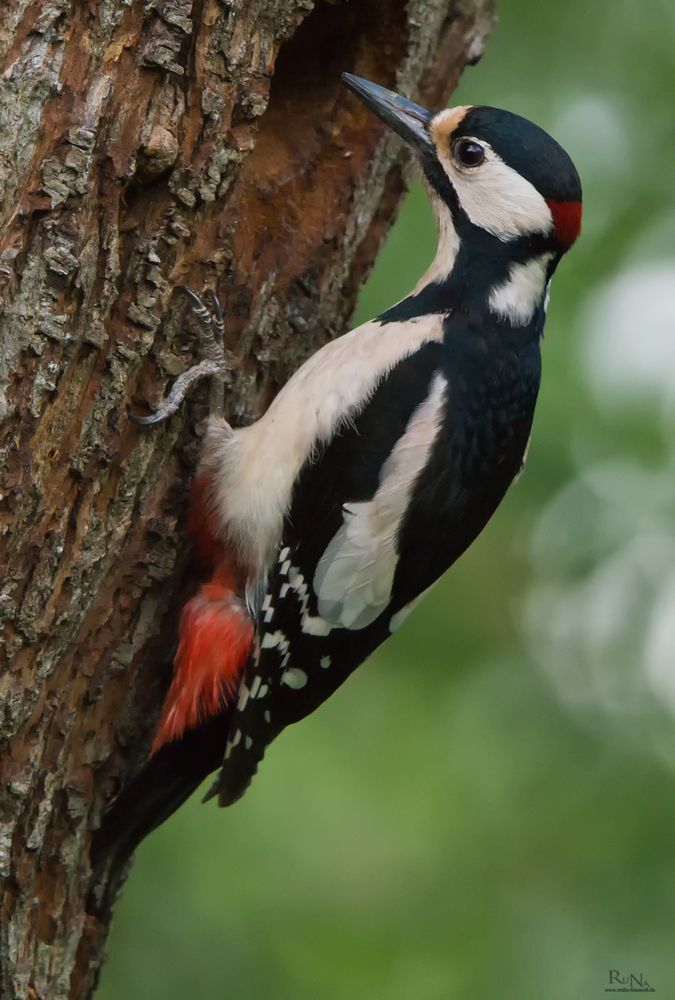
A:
214,364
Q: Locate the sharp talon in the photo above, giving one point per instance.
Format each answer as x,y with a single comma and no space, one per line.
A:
214,302
194,298
217,312
198,308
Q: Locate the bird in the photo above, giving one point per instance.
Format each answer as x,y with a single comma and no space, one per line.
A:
375,467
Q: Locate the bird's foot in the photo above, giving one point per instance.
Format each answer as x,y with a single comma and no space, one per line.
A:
209,317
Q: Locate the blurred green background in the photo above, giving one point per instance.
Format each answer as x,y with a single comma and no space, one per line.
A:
487,808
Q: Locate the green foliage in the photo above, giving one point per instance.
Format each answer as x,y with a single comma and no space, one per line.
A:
486,809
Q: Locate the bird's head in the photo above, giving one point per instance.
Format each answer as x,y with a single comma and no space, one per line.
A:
498,174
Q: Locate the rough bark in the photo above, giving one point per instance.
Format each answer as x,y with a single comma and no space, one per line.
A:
145,145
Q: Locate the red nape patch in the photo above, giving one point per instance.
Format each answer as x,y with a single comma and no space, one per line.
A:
566,220
216,634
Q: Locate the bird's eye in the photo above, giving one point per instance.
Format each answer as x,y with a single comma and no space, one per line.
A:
468,152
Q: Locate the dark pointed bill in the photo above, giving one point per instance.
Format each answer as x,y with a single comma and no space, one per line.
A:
408,120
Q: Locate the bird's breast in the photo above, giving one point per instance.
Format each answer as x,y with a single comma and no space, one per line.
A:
492,393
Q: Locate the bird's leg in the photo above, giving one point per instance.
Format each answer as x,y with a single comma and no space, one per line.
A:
214,365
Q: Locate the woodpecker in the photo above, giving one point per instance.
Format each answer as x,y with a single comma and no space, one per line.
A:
373,469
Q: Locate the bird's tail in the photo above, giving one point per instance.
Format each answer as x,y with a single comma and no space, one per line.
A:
168,778
216,635
215,641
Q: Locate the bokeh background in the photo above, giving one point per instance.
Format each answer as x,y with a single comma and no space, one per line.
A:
487,809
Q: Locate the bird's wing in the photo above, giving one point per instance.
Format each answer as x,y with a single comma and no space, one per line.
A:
333,588
375,518
354,577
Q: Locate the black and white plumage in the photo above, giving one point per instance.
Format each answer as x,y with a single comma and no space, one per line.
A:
394,499
390,449
386,454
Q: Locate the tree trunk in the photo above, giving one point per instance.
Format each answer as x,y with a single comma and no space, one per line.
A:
143,146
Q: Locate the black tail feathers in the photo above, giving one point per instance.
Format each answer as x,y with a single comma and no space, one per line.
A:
168,778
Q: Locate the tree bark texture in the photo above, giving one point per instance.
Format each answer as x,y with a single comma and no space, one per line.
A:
145,145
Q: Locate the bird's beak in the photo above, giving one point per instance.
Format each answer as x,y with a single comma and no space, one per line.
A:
408,120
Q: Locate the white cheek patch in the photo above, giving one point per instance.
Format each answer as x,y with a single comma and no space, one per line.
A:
523,291
355,574
496,197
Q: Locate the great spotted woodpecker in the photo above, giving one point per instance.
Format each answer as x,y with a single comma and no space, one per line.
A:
373,469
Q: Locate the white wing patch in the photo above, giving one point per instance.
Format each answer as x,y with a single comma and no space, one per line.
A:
355,574
254,468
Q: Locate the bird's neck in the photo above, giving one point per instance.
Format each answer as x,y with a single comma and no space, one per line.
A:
447,250
476,273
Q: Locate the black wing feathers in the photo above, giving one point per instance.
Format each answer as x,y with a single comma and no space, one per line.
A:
491,393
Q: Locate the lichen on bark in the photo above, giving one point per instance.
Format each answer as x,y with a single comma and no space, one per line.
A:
146,145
